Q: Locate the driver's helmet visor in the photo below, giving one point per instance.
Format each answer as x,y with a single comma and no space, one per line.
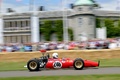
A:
56,56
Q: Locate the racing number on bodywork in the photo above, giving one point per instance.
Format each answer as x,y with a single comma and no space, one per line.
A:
57,64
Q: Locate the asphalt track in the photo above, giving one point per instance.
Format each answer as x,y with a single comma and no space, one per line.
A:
88,71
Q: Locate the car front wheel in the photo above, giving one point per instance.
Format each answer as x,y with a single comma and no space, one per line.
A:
33,65
78,64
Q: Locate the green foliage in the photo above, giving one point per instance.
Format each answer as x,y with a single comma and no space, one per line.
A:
118,29
119,23
46,29
98,23
59,29
56,27
70,31
12,66
109,25
112,31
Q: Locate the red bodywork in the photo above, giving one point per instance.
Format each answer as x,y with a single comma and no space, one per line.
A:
68,63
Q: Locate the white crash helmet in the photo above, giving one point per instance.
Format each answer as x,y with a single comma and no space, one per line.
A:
55,55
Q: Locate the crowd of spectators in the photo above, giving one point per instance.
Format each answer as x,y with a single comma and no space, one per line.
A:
53,45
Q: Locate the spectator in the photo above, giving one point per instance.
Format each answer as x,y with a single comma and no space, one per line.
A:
112,45
28,48
9,48
1,48
73,45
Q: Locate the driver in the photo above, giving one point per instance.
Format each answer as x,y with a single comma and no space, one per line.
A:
55,55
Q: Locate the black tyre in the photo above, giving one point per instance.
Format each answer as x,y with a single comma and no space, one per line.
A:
78,64
33,65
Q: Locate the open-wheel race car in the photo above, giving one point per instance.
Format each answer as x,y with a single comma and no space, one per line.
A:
45,61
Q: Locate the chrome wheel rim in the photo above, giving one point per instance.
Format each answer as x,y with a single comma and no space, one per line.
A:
33,65
78,64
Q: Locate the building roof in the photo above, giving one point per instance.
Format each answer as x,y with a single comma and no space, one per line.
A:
83,2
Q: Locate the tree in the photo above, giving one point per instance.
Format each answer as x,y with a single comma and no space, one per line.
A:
46,29
112,31
71,36
56,27
59,29
98,23
119,23
118,28
109,25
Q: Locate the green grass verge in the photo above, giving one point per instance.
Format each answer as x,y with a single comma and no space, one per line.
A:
110,62
9,66
12,66
80,77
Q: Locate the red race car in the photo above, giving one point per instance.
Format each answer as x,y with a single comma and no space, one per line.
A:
46,62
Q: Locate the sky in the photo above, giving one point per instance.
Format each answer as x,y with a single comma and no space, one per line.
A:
23,5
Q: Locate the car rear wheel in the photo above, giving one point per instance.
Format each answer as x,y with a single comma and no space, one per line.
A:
78,64
33,65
